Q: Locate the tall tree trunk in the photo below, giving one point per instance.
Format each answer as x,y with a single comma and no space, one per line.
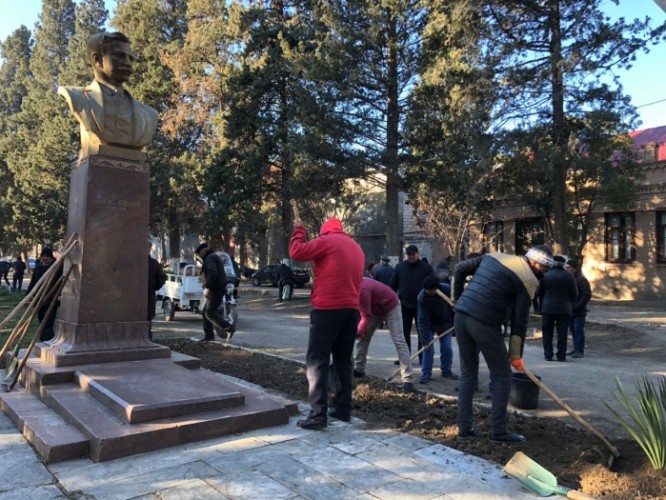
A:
391,162
560,218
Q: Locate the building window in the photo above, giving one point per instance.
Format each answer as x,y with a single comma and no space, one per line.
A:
661,236
620,237
529,232
493,236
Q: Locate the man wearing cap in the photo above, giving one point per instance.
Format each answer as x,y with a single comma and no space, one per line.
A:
407,279
337,264
578,310
556,293
47,259
215,282
499,283
384,271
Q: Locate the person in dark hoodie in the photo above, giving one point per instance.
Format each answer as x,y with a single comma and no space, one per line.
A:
556,293
47,259
578,310
434,317
407,279
338,266
499,282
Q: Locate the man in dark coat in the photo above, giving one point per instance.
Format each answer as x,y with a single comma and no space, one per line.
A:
384,271
407,280
556,293
47,259
19,272
156,279
499,282
285,278
578,310
4,271
215,282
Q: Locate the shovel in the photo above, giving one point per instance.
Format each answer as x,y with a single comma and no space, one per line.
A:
537,479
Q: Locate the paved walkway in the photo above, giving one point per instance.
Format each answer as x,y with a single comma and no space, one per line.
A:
347,460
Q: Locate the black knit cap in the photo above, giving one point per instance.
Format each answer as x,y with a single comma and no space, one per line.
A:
430,282
47,252
572,263
200,247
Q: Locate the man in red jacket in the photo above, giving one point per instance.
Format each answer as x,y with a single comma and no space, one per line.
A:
380,303
337,264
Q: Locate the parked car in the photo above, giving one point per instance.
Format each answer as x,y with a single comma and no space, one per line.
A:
269,274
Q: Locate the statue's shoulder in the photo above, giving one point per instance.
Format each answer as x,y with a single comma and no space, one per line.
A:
75,97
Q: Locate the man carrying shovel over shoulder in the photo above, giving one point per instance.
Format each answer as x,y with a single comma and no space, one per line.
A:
500,283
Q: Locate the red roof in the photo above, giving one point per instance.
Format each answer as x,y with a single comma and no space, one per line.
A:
648,135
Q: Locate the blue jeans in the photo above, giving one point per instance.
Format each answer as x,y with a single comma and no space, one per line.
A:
577,329
445,354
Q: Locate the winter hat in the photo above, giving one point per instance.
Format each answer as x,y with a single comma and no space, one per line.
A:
411,249
541,254
385,259
200,247
430,282
573,264
558,261
47,252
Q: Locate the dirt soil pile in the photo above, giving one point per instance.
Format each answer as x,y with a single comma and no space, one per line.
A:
577,458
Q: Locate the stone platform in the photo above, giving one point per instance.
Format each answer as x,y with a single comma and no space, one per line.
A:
112,410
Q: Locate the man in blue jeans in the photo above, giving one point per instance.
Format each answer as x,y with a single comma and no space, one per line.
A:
434,317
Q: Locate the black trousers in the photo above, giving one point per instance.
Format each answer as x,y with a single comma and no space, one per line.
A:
332,332
212,318
408,317
48,332
549,324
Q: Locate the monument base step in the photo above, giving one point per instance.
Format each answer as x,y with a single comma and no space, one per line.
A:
110,410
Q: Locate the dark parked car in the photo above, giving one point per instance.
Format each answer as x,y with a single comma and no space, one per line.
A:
269,274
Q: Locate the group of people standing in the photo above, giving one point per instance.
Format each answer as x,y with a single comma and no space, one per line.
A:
19,268
487,289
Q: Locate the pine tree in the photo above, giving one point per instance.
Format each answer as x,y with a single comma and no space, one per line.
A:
38,153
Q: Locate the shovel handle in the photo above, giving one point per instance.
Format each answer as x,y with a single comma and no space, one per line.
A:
444,297
571,412
415,355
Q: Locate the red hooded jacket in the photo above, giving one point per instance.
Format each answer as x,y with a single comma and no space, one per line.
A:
337,264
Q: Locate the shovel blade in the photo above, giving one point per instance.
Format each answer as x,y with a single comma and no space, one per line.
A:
533,476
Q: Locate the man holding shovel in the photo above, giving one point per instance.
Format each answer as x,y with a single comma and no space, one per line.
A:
500,283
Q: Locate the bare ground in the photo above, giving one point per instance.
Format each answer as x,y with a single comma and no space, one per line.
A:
578,459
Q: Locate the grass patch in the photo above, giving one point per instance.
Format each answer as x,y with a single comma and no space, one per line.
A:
8,301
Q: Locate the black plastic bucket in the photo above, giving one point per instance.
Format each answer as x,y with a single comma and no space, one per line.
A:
524,392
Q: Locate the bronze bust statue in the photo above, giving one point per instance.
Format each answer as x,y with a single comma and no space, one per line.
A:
112,122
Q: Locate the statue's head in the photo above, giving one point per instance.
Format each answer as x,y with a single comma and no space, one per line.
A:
110,56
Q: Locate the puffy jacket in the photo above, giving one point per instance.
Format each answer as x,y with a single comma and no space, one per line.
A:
212,273
407,280
579,307
557,292
500,283
434,313
376,299
337,265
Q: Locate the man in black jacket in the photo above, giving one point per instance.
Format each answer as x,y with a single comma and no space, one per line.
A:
500,282
156,279
407,281
578,310
214,281
556,293
47,260
384,271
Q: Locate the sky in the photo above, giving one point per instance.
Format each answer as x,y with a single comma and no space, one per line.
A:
644,82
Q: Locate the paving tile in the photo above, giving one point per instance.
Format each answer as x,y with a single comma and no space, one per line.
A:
408,442
251,484
305,480
347,469
250,459
20,466
187,491
280,433
407,490
142,484
44,492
